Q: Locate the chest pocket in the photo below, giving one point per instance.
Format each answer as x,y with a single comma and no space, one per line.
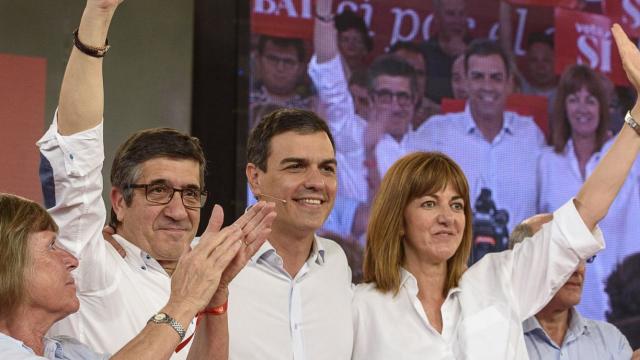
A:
485,335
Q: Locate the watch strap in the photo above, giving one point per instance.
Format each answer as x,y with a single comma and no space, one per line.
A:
632,122
164,318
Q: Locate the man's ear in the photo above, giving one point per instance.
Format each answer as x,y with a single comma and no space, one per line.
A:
253,178
117,202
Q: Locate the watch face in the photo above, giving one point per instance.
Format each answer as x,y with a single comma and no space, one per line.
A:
159,317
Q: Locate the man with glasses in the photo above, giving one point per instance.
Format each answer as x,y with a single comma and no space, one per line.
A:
280,64
157,180
558,330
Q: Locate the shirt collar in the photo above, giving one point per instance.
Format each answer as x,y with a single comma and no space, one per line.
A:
470,124
409,281
316,255
135,254
577,324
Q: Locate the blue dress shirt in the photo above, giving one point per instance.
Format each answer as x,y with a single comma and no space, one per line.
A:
585,339
57,348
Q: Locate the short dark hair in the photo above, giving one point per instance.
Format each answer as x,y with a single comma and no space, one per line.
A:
347,19
146,145
405,45
278,122
539,37
297,44
486,47
623,287
359,77
392,65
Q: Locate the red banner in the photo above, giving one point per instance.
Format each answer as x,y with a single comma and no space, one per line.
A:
525,105
570,4
624,12
397,20
585,38
22,92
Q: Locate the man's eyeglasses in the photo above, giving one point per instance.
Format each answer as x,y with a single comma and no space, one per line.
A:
385,97
162,194
287,63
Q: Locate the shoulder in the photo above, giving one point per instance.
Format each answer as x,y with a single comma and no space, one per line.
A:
367,295
332,251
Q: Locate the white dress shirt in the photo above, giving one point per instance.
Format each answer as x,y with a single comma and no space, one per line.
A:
482,317
307,317
117,295
346,126
507,165
560,179
389,150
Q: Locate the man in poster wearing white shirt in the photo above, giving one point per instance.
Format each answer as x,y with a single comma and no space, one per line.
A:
497,149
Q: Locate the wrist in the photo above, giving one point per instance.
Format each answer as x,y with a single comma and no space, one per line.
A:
221,297
215,310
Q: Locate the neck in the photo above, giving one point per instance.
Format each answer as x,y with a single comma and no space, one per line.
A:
29,326
583,147
555,322
293,247
279,97
488,124
168,265
430,276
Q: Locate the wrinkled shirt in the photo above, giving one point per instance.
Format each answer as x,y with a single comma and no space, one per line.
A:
585,339
56,348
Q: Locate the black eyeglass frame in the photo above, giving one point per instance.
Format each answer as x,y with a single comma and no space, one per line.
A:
203,194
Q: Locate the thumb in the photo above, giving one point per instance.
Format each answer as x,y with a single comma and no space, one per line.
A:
216,219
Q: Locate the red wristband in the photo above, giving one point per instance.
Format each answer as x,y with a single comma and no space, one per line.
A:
217,310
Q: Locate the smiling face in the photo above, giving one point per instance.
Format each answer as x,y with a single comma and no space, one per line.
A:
394,103
352,46
301,169
434,225
488,85
540,64
452,17
163,231
583,111
48,281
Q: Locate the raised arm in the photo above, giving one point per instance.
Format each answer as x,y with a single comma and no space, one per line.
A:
600,189
325,41
81,103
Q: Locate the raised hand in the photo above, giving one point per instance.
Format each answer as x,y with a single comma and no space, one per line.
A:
629,54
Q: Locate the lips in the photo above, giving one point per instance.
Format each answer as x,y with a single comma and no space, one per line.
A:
310,201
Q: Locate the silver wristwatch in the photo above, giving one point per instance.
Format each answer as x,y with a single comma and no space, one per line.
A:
163,318
632,122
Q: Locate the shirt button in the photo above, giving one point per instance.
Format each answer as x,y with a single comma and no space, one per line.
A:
71,156
143,267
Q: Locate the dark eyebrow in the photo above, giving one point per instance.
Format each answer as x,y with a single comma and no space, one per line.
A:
329,162
167,183
293,160
457,197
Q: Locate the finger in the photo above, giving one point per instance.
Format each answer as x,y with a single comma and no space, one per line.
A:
257,231
108,230
231,242
626,47
216,220
253,247
259,219
252,212
208,242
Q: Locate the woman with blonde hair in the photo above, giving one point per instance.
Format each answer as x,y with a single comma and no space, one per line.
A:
420,302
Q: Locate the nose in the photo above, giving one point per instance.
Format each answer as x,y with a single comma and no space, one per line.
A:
445,217
175,208
315,180
70,261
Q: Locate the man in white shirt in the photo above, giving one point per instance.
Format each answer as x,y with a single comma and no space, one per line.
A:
370,146
154,225
497,149
293,299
